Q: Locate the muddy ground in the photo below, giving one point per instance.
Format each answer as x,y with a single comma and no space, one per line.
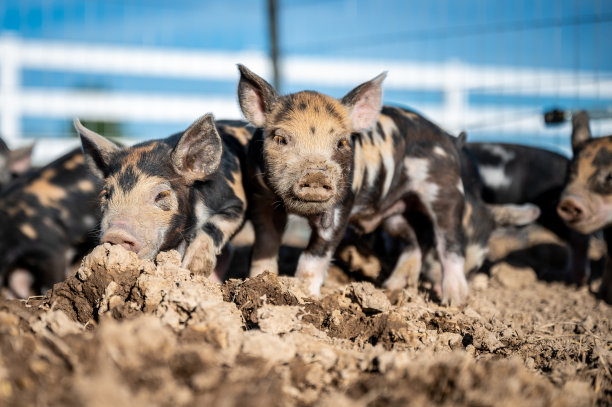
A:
126,331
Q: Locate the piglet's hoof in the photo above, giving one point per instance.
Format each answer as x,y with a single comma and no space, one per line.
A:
454,290
200,257
312,281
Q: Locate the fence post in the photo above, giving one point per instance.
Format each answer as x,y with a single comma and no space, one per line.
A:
10,82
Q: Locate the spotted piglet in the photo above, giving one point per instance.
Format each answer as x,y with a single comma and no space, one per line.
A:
48,220
336,162
586,202
184,192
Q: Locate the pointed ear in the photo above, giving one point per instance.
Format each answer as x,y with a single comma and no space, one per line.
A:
256,96
198,152
96,149
364,103
461,140
19,160
580,129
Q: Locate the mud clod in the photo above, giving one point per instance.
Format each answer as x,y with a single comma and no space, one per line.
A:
130,331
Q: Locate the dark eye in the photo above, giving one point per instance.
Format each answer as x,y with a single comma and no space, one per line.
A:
162,200
609,177
162,195
278,139
104,195
343,143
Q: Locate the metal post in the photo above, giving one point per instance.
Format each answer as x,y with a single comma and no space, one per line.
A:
273,31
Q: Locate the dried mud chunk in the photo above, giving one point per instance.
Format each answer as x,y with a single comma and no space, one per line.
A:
87,294
132,362
249,295
369,298
56,322
279,319
456,379
268,347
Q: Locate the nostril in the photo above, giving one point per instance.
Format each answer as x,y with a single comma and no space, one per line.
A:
570,210
121,239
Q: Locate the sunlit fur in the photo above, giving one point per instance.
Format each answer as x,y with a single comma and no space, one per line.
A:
173,193
590,182
310,138
140,212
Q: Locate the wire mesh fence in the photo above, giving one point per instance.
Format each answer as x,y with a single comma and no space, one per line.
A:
149,67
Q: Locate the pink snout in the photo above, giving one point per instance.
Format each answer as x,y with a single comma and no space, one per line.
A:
122,238
315,186
571,209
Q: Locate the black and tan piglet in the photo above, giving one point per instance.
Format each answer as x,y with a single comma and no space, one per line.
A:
516,174
586,201
336,162
48,220
183,192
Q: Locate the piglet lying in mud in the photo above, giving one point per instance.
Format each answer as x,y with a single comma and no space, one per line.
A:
47,222
337,162
586,202
184,192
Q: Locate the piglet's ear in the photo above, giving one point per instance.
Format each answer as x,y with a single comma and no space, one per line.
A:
580,129
20,159
198,152
364,103
256,96
96,149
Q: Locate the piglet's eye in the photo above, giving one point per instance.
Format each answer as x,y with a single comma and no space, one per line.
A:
343,143
104,195
162,195
278,139
609,177
162,201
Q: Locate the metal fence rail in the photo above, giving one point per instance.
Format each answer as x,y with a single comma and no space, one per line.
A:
454,80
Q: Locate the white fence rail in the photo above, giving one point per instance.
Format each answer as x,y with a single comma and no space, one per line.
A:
454,80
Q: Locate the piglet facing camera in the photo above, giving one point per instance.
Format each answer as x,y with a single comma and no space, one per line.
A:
336,162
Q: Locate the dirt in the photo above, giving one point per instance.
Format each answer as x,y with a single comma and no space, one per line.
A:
126,331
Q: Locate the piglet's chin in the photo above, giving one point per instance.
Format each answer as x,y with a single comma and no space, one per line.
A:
589,225
305,208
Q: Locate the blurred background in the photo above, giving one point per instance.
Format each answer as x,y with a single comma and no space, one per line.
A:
142,69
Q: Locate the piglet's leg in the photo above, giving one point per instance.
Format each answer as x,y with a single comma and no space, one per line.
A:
454,285
269,225
201,253
408,267
450,245
605,289
200,256
578,266
327,231
20,282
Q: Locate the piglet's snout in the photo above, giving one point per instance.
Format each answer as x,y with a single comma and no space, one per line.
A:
571,209
122,238
314,186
